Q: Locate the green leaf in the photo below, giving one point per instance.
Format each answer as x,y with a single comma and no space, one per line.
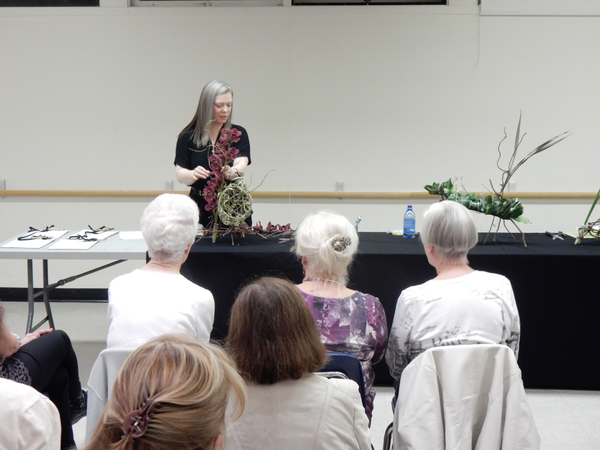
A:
521,219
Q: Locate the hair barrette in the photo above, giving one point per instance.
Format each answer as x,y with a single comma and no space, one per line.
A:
136,422
340,243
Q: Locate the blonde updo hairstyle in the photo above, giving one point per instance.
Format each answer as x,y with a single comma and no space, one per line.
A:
191,384
329,243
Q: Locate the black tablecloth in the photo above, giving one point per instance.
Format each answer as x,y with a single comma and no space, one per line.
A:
555,284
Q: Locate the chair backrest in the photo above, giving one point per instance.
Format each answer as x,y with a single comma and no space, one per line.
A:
464,397
102,377
349,366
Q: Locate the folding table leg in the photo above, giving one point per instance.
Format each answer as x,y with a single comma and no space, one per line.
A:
31,298
46,296
30,304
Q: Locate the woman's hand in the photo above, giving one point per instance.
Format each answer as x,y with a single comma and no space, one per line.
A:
237,169
200,173
231,173
189,177
32,336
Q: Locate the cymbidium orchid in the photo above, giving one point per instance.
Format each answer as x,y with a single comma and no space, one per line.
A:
219,197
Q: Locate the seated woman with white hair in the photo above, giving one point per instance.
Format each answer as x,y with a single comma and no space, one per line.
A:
348,321
156,299
460,305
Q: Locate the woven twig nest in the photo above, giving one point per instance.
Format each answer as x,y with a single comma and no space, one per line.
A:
235,203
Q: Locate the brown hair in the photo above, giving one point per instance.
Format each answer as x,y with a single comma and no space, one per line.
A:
272,334
191,382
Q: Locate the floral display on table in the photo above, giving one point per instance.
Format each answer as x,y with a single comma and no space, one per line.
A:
495,204
591,229
231,202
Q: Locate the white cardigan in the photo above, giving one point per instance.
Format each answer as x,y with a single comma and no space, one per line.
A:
312,413
30,421
464,397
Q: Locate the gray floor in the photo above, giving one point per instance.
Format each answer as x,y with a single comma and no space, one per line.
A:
566,420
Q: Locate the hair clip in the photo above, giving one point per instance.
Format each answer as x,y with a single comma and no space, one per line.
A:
136,422
340,243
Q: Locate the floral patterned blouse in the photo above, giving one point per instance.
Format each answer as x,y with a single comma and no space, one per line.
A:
355,325
477,308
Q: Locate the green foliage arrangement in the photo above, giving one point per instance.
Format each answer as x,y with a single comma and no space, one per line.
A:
495,204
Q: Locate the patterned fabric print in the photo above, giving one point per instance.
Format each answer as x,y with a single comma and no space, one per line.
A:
14,369
478,308
355,325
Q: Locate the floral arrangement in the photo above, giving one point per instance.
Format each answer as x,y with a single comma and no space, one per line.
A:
496,205
589,228
231,202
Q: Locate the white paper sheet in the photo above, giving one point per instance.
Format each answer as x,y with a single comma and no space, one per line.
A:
36,243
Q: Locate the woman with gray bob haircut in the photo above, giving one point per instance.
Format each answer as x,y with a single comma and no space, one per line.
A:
156,299
460,305
348,321
449,227
169,226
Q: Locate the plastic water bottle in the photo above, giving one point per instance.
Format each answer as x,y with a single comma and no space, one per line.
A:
409,223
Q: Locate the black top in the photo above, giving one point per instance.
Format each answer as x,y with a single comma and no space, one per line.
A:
189,156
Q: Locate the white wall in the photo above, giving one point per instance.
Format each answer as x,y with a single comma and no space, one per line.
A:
386,99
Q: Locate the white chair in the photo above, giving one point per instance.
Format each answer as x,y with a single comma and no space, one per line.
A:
464,397
103,375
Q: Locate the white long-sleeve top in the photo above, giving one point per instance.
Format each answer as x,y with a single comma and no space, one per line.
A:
144,304
477,308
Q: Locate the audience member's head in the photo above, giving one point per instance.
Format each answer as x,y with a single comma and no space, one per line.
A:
327,243
449,227
171,393
272,334
169,226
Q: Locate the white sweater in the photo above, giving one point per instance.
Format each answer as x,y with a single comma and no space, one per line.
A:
30,421
143,305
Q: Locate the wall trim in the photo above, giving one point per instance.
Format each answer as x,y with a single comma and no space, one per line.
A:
285,194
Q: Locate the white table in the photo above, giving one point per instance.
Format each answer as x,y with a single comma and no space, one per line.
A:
113,248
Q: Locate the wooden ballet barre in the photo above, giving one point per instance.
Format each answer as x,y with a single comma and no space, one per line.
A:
289,194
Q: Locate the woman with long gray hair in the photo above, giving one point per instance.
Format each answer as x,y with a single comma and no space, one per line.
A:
197,140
